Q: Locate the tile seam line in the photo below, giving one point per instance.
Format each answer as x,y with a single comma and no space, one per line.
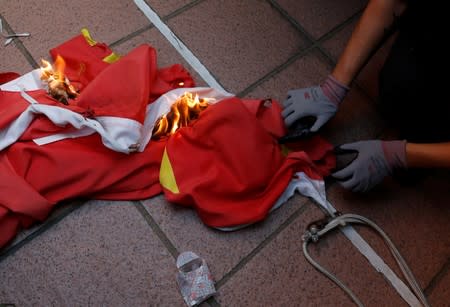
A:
437,278
140,207
254,252
133,34
317,42
156,229
309,202
48,224
19,45
151,26
303,31
280,68
178,44
182,9
277,70
314,44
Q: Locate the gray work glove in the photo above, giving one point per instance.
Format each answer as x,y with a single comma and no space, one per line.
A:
321,102
375,160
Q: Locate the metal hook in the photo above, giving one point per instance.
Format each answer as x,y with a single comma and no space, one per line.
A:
10,37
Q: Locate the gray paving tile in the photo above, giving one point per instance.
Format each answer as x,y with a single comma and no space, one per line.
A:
280,275
54,22
336,43
318,17
221,250
13,60
309,70
103,254
25,235
357,119
239,42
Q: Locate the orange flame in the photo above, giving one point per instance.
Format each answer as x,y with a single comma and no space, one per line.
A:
58,85
182,112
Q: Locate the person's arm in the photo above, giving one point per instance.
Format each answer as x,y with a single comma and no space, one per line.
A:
322,102
377,159
433,155
375,23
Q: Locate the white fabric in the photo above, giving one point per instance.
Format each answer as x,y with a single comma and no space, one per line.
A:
117,133
28,82
84,131
308,187
162,105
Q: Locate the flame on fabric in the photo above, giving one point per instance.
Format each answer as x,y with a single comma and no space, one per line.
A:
183,111
58,85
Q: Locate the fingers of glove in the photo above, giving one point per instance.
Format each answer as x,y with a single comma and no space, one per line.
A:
288,110
320,121
344,173
297,92
287,102
350,146
295,97
365,181
292,118
291,97
291,114
365,185
349,184
354,181
288,114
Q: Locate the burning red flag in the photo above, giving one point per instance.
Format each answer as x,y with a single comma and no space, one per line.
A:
58,86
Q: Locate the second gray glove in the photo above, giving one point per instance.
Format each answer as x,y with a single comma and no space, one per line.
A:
375,160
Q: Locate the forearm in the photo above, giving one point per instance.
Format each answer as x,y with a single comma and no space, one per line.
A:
433,155
376,21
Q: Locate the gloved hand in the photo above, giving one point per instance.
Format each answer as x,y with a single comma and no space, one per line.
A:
375,160
320,102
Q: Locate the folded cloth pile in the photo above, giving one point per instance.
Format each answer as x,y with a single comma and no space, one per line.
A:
227,164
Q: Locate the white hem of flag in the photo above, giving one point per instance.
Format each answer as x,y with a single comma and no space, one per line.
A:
117,133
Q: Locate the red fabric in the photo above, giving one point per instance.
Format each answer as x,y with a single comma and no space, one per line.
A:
267,113
169,78
33,179
123,88
83,61
8,76
319,151
12,105
229,166
232,148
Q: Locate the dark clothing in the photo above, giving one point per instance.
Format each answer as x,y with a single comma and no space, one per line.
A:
407,100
